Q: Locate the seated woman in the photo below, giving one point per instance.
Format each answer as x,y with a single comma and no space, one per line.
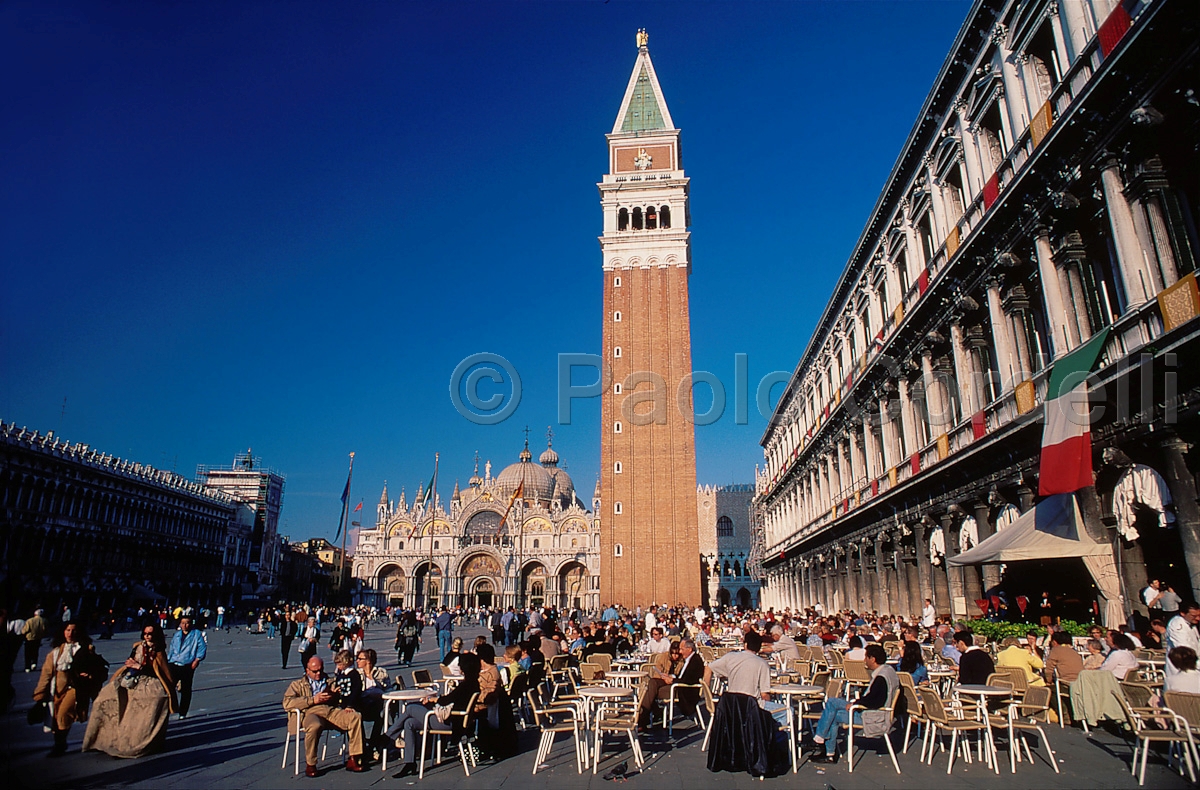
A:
411,722
1121,658
450,662
913,662
375,681
1185,677
1095,654
129,717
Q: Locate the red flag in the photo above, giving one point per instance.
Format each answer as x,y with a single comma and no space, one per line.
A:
358,507
1022,603
982,603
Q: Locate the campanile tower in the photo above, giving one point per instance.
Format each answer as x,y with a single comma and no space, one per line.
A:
650,550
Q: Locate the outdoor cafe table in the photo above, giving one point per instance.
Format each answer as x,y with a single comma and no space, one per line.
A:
942,678
401,696
600,695
625,677
797,693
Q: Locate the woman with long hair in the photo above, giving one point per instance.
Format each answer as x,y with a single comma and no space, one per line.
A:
410,722
70,676
913,662
130,716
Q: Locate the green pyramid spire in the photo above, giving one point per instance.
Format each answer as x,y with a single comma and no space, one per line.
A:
643,113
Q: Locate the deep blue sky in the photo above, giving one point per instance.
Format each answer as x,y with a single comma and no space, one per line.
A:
282,225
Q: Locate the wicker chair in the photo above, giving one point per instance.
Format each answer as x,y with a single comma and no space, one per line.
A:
552,721
940,721
619,718
1139,719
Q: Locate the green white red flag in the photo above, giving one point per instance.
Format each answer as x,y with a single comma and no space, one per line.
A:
1066,462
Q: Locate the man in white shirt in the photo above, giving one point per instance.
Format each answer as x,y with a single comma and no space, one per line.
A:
784,647
658,643
651,620
1181,631
928,614
1151,595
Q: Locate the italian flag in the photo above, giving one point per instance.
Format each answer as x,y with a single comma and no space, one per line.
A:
1066,463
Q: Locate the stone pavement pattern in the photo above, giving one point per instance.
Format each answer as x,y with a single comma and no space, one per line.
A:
233,738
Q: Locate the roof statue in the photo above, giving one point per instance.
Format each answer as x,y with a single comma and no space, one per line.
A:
642,37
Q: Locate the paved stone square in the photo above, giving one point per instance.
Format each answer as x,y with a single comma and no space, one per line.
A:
233,738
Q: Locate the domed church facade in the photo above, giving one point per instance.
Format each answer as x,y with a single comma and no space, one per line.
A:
546,552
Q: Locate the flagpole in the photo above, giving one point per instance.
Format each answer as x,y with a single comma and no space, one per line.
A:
344,527
432,497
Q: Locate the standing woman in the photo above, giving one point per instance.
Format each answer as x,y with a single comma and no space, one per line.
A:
129,718
69,679
408,639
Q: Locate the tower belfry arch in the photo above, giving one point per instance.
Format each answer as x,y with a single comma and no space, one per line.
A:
649,532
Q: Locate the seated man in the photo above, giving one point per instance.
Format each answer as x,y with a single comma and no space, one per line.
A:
313,695
974,665
784,646
884,684
1063,659
681,665
657,643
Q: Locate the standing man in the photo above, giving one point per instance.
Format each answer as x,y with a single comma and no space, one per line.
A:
187,650
287,634
1152,596
34,632
221,619
444,624
1181,631
928,614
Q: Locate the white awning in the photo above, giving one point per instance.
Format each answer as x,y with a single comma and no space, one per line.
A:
1021,540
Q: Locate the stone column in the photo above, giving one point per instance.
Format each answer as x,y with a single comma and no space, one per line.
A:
1061,337
1001,339
963,372
902,605
865,579
935,405
1129,251
851,579
924,569
884,598
1187,515
954,579
887,436
990,573
908,420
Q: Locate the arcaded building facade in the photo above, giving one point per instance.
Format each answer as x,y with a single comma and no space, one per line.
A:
1047,192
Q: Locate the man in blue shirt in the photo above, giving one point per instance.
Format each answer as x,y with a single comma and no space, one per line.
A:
186,651
444,623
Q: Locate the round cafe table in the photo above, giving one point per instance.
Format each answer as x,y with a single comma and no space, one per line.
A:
601,695
941,678
402,696
625,677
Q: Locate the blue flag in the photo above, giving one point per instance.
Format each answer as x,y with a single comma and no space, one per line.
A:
1055,515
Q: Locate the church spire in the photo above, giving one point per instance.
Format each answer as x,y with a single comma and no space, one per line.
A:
644,108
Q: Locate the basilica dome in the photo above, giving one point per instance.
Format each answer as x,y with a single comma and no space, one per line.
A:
539,484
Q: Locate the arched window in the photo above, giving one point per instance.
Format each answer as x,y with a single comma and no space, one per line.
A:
664,217
435,545
737,568
616,281
617,550
617,508
617,316
617,352
617,468
401,545
724,527
537,544
623,220
637,219
651,218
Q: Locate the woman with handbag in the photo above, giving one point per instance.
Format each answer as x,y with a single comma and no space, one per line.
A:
412,721
129,717
71,674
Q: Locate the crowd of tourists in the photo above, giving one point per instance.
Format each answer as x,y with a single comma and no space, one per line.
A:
748,651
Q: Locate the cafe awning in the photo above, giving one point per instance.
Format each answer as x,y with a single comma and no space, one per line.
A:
1037,534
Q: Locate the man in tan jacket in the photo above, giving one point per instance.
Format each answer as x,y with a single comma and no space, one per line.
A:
312,695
